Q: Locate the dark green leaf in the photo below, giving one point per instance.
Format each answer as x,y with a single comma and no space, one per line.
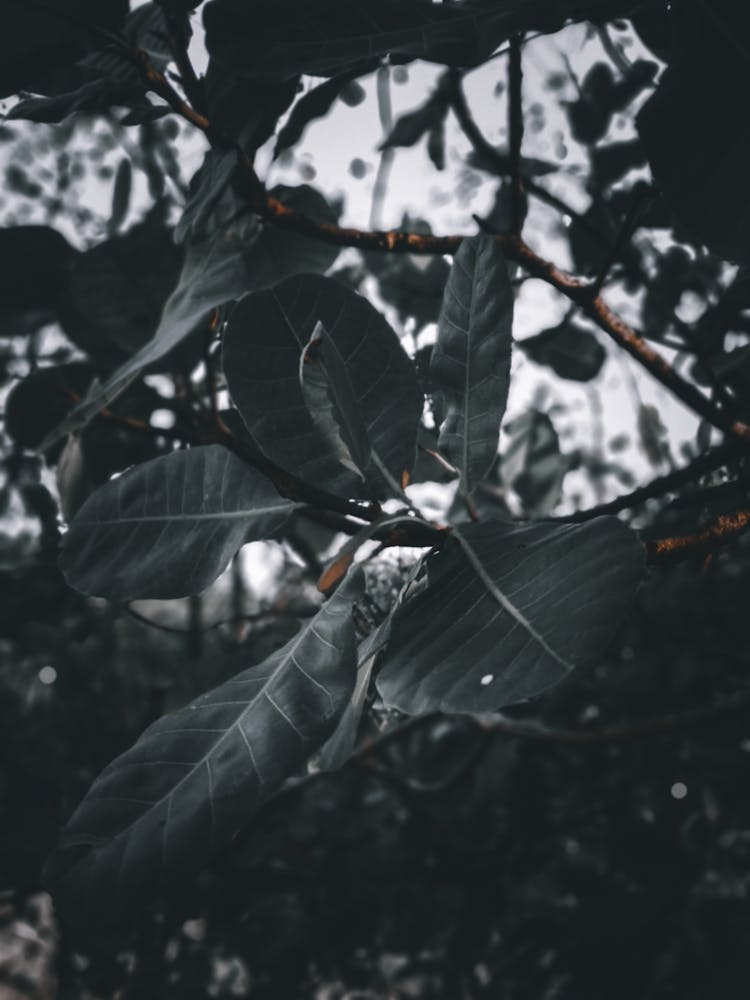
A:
118,289
197,776
265,337
436,145
169,527
652,435
89,98
146,113
413,285
34,276
471,362
509,610
39,40
248,110
340,745
238,257
347,439
286,37
571,351
107,76
694,129
275,39
38,403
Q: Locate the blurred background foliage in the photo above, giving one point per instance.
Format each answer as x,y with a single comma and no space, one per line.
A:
448,863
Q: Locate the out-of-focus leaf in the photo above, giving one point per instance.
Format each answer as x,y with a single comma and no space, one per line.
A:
44,39
196,777
39,402
33,278
340,745
532,464
235,259
211,201
264,339
146,113
611,162
409,128
509,610
118,289
601,95
121,194
652,435
248,110
413,285
169,527
316,103
275,39
696,137
107,76
470,364
89,98
436,145
571,351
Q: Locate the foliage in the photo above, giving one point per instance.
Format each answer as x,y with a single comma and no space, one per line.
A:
202,367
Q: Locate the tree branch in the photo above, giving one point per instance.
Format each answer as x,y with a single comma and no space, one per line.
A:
662,725
395,241
515,133
726,528
658,487
640,196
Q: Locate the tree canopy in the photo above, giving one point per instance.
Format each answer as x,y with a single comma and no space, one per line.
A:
496,457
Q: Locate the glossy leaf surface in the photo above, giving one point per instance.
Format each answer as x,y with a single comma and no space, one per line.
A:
509,611
266,335
197,776
169,527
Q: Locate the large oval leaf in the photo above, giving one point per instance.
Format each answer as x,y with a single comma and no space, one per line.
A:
508,611
265,337
169,527
470,365
197,776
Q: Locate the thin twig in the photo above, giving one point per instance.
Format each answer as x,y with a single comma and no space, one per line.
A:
658,487
725,528
500,162
235,619
620,733
641,195
624,732
515,133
